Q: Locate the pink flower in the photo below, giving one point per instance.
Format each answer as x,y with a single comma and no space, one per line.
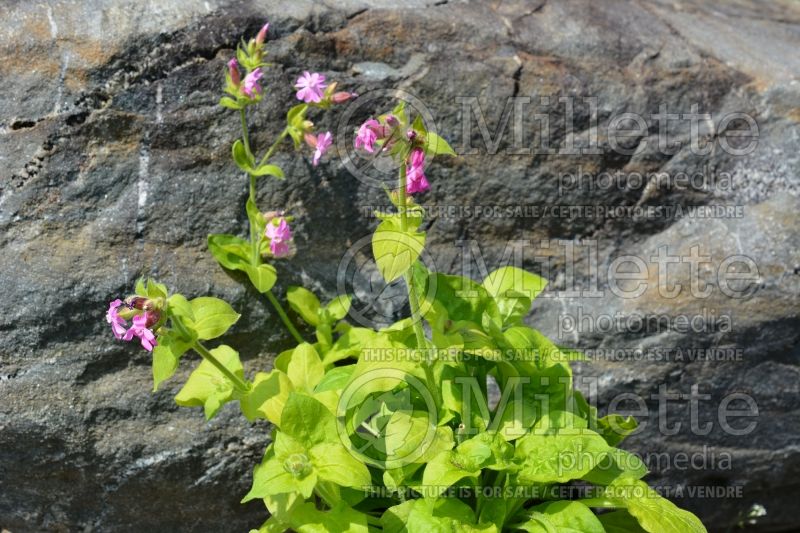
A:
310,86
117,322
262,34
324,141
251,85
415,178
140,329
233,70
367,135
279,236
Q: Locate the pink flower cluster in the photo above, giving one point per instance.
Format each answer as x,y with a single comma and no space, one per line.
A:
279,236
140,328
371,131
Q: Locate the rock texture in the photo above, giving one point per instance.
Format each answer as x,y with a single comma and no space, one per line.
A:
114,164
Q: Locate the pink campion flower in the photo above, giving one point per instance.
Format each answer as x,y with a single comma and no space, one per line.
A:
324,141
118,323
233,70
415,178
140,329
367,135
279,236
310,87
262,34
251,86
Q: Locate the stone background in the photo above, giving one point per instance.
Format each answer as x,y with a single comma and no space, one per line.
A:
114,163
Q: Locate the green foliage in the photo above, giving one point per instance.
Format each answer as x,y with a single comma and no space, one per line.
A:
207,386
391,430
395,245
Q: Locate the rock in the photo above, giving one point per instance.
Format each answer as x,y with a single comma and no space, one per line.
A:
115,159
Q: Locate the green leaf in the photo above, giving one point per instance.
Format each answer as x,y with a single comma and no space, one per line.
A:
338,307
435,145
306,518
155,289
269,170
349,344
653,512
335,379
166,356
614,428
513,289
255,217
212,317
461,298
308,420
240,156
444,471
230,103
271,478
559,457
304,303
566,517
268,397
178,306
207,386
305,368
516,280
263,276
620,522
617,464
414,438
444,515
395,250
230,251
334,463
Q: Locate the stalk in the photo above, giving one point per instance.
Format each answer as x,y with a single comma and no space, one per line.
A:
255,256
413,299
238,382
240,385
284,317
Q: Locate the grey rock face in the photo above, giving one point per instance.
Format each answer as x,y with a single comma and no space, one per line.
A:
114,164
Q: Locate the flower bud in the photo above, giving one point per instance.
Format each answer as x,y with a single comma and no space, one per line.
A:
262,34
342,97
151,318
269,215
233,70
310,139
297,465
136,302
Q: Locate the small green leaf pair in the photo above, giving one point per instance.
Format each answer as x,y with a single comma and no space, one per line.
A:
246,163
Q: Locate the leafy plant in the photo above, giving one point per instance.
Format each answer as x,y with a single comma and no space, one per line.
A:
391,429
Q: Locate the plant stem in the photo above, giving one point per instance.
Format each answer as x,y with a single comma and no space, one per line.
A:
245,138
413,299
255,256
284,317
241,385
327,496
238,382
274,146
